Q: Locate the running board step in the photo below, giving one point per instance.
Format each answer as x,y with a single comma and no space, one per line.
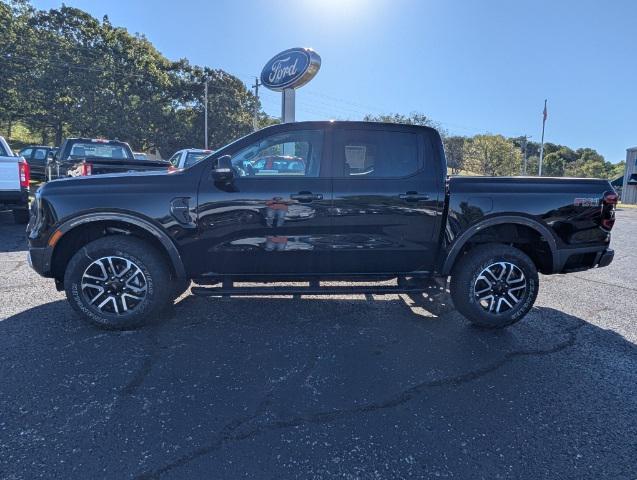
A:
312,290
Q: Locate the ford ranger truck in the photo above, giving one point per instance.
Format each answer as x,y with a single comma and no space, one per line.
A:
372,203
14,183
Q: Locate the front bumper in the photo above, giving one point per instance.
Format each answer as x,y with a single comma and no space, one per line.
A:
40,260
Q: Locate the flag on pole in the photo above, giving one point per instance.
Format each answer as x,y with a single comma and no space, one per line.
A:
546,113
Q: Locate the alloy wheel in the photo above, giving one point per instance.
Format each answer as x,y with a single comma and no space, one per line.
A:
114,285
499,287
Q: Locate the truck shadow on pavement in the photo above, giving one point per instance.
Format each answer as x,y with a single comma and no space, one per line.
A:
13,235
280,387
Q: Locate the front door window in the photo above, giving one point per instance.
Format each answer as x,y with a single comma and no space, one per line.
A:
286,154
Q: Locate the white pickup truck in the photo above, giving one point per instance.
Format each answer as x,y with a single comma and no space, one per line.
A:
14,183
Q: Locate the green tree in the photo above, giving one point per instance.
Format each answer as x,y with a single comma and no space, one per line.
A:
454,152
556,161
63,72
414,118
492,155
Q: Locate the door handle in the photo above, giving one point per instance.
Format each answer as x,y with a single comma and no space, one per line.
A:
306,197
413,197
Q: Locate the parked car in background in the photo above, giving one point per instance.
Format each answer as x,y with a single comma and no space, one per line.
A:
373,203
274,164
95,156
141,156
188,157
36,157
14,183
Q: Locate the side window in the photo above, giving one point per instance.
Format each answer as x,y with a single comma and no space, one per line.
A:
40,154
26,153
295,153
174,160
376,153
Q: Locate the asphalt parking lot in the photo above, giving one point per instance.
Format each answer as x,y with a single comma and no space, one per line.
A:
381,387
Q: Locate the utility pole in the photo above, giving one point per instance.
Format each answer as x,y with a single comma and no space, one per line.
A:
205,118
255,120
524,152
544,115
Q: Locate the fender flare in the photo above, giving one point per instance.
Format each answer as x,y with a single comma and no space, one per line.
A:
459,242
163,238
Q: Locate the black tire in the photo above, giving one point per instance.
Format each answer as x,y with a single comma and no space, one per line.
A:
466,280
152,280
21,215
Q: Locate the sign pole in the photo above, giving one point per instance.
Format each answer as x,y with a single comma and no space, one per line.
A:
288,105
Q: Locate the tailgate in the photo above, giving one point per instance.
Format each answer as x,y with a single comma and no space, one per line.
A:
9,173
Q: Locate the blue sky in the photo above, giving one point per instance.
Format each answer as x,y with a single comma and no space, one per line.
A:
474,66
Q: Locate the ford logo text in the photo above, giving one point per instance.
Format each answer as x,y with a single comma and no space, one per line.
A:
292,68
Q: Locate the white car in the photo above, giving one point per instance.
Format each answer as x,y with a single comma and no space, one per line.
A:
189,156
14,183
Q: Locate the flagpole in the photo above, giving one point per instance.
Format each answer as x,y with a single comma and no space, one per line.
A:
542,144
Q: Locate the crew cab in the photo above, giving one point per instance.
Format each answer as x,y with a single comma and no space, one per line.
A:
14,183
371,204
95,156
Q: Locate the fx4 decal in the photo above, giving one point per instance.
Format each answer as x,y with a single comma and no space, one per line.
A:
586,202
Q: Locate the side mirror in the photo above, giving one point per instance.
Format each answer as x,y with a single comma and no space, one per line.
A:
222,172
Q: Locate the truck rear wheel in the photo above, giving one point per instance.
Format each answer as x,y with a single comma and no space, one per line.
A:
494,285
118,282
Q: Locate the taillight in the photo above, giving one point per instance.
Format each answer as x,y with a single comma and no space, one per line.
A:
609,200
87,169
25,173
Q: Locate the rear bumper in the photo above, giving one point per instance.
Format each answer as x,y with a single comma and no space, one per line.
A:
606,258
14,198
578,259
40,260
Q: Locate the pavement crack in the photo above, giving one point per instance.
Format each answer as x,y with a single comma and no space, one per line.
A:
140,375
608,284
234,431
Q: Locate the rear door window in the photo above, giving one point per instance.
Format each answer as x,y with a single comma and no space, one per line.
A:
39,154
26,153
375,154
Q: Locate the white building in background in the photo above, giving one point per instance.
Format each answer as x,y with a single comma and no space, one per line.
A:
629,190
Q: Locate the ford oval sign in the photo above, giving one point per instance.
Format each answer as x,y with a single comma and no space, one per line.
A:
291,69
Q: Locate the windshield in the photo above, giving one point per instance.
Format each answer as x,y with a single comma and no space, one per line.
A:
194,157
102,150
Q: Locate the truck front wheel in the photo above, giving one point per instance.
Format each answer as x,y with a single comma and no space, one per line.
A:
118,282
494,285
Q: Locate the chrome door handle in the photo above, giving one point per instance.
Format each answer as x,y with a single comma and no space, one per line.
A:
306,197
413,197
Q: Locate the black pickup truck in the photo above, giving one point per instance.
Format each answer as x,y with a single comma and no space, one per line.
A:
95,156
372,203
